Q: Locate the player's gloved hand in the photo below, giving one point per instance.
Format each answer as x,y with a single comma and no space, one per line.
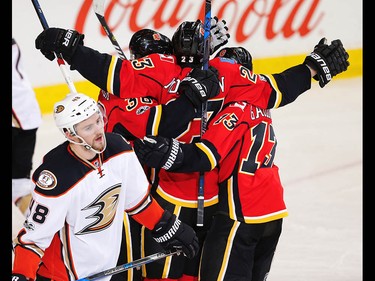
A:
327,60
58,40
19,277
219,34
159,152
172,234
200,85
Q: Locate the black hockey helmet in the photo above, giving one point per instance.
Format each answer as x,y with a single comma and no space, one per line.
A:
239,54
147,41
188,44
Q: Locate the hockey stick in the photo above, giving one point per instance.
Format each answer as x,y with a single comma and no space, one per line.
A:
206,39
60,59
130,265
98,6
206,57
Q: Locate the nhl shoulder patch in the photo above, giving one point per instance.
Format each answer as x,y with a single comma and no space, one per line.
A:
47,180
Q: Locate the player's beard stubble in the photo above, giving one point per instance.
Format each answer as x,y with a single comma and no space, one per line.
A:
99,142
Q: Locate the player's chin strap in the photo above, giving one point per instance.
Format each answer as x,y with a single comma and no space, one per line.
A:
87,146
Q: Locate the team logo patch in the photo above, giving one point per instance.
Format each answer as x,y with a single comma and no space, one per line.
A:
222,53
156,36
142,109
28,225
105,94
59,108
47,180
261,77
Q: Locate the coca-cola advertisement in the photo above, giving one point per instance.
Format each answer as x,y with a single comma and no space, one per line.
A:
268,28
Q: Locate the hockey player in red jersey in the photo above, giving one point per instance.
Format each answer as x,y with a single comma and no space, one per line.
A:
82,189
241,141
137,116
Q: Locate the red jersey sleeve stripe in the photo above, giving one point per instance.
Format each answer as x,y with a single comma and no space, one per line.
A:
275,91
111,72
150,216
156,122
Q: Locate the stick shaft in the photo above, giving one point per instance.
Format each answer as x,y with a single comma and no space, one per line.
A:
60,60
98,6
206,57
206,40
130,265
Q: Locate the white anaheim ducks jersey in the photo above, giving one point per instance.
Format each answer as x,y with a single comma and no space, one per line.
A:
76,216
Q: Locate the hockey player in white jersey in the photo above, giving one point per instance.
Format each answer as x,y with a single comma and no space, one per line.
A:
26,119
74,223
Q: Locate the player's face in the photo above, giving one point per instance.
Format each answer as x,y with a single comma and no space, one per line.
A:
92,131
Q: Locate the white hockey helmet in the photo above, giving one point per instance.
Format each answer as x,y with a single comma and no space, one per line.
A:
73,109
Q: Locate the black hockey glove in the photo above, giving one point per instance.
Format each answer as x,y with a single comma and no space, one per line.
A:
219,34
58,40
200,85
172,234
327,60
18,277
159,152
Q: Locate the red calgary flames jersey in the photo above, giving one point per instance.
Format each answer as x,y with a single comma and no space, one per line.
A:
241,141
157,77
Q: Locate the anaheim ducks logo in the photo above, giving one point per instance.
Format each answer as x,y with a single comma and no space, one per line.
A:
105,206
59,108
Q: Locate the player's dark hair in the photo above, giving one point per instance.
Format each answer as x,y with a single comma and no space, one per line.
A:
239,54
147,41
188,44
